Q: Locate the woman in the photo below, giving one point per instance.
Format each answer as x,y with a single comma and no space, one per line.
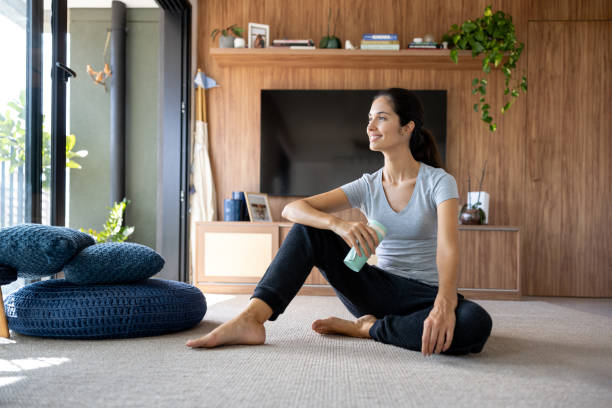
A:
410,300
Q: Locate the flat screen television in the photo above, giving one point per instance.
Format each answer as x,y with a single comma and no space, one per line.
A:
313,141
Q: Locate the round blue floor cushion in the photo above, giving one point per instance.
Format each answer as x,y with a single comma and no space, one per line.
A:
57,308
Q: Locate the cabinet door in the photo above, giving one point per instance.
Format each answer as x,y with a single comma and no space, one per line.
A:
489,260
568,194
234,252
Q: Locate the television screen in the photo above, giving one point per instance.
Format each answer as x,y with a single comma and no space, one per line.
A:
313,141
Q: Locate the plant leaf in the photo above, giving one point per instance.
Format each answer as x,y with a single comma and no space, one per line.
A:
468,26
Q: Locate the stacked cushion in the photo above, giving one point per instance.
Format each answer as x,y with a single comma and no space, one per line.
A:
113,263
60,309
106,293
36,250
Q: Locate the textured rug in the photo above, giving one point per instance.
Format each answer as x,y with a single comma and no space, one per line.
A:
541,353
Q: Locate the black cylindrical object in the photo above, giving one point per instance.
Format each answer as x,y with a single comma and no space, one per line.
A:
117,103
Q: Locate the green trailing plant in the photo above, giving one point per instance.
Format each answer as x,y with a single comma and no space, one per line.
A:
331,41
494,36
12,142
225,32
114,230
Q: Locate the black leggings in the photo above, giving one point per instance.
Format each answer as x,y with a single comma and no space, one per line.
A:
401,305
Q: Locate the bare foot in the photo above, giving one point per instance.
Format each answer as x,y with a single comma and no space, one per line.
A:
335,325
243,329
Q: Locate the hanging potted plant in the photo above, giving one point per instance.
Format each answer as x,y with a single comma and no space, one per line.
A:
227,35
492,35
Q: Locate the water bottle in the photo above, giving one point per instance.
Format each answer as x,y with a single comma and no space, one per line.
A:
356,262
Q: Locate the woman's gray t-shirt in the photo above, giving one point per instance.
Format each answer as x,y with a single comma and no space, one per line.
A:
409,249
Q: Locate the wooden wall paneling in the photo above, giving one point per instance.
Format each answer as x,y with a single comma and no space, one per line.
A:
363,16
583,173
568,178
543,186
282,16
549,10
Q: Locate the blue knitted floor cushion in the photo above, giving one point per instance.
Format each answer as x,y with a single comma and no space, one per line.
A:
57,308
36,250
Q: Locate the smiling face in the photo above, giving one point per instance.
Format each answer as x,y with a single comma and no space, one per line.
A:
384,129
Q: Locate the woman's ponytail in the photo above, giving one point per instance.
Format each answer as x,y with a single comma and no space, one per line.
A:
423,147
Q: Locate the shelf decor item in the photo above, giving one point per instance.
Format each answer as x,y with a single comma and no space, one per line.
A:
331,41
227,35
259,35
258,206
476,211
494,35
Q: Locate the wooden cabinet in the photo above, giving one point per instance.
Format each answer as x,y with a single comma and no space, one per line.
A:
232,256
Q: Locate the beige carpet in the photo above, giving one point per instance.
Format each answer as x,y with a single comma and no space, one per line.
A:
542,353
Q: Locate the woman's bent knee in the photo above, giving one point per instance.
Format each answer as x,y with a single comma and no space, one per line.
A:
473,327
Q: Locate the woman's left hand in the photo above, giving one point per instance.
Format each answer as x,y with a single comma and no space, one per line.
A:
438,328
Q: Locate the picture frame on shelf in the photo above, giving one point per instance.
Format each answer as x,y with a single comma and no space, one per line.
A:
259,35
258,206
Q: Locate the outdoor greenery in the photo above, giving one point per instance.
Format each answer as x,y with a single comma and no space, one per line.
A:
12,141
113,231
492,35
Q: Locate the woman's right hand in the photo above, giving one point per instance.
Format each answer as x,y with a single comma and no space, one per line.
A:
355,233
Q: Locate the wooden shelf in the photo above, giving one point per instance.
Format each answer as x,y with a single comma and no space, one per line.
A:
338,58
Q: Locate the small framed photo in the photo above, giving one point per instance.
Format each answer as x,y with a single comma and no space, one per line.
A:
259,35
258,206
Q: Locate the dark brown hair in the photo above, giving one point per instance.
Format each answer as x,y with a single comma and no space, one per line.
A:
409,108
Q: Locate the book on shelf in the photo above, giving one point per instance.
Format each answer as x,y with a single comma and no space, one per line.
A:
392,47
287,42
392,37
423,45
294,47
372,42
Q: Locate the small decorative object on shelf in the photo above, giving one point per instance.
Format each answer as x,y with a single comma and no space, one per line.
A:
258,206
427,42
259,35
348,45
227,35
232,210
331,41
476,211
239,42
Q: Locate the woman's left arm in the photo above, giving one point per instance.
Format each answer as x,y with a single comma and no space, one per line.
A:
439,326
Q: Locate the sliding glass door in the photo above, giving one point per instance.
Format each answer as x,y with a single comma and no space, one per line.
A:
33,113
13,29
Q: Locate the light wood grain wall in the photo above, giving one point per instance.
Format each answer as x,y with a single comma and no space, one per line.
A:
233,108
